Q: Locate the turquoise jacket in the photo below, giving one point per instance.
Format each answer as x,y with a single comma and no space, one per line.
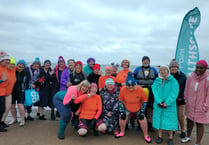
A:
165,118
87,70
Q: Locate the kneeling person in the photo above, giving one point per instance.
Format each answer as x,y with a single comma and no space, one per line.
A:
90,111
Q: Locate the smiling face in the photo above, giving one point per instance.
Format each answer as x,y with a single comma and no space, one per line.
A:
200,69
145,62
47,65
78,68
91,64
84,89
125,64
20,67
174,69
108,72
110,87
164,72
11,66
93,90
61,64
5,62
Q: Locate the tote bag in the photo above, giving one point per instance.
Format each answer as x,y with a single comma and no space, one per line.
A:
31,96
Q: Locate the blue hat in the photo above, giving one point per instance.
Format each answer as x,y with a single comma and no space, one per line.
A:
90,59
37,60
21,61
130,79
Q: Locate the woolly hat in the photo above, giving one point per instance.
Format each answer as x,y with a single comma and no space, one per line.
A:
93,85
61,59
12,61
130,79
165,66
173,63
37,60
4,56
47,61
145,57
90,59
109,81
79,62
108,68
114,65
203,62
96,66
21,61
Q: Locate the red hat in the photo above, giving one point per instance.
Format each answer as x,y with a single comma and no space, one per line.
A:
61,59
203,62
79,62
96,66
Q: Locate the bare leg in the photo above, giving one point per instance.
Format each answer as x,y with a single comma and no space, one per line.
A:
8,102
143,124
123,124
22,113
200,132
181,117
14,112
190,125
170,133
160,133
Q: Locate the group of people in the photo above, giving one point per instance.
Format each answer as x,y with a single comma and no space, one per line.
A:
90,100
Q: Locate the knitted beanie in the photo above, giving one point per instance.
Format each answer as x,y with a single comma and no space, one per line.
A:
37,60
145,57
130,80
61,59
4,56
90,59
12,61
173,63
21,61
79,62
96,66
109,81
93,85
203,62
47,61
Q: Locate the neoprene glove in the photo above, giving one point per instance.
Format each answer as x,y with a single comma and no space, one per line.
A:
141,115
123,116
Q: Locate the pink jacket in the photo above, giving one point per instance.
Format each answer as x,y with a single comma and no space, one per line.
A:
71,91
197,98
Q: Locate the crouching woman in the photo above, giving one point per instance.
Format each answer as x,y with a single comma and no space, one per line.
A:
62,101
132,99
89,112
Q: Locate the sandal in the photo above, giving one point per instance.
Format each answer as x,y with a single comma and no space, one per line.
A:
148,139
119,135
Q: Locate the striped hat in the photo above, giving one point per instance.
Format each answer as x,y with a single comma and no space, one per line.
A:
4,56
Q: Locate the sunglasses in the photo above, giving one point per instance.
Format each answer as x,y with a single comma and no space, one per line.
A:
130,85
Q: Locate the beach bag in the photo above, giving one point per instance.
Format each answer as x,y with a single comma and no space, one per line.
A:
31,96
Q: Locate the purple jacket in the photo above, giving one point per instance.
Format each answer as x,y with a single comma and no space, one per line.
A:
64,79
197,98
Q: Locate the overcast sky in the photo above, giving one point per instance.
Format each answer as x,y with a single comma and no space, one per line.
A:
108,30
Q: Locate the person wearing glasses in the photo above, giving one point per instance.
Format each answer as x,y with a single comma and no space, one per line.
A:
132,99
197,101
